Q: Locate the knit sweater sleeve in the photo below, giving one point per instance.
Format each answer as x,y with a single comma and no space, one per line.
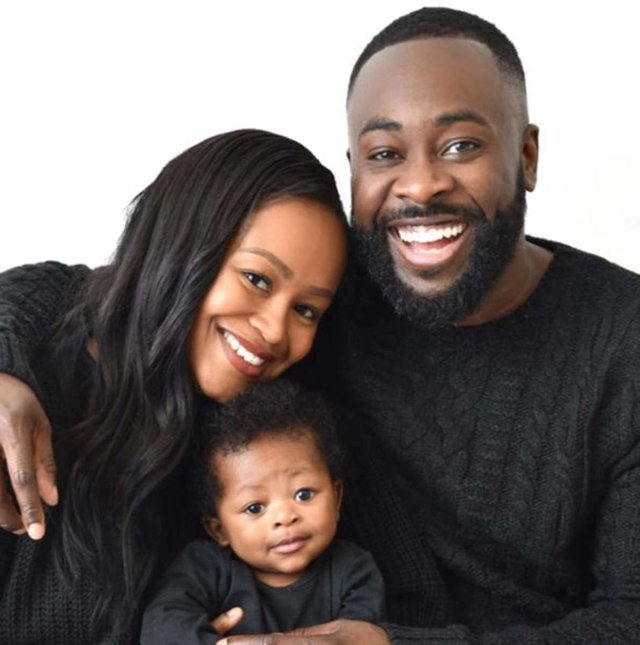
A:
611,611
31,298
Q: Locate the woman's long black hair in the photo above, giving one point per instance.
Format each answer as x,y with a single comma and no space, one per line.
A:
123,498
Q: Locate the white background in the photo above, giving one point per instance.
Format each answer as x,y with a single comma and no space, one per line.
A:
96,96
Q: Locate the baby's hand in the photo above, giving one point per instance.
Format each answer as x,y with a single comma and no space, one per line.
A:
227,621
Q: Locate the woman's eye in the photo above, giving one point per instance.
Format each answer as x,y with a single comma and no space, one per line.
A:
304,495
254,509
257,280
310,313
460,147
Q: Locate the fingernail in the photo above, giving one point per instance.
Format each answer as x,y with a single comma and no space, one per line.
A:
35,531
21,531
55,495
234,612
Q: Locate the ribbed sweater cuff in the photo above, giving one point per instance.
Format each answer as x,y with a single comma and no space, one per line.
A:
13,360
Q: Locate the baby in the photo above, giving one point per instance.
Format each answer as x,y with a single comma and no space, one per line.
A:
269,488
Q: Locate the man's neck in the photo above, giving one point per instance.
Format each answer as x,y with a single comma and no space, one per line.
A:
517,282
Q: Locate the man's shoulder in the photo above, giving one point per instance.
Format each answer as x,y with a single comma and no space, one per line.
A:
588,272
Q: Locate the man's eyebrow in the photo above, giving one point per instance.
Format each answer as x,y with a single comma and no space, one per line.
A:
274,259
380,124
444,119
460,115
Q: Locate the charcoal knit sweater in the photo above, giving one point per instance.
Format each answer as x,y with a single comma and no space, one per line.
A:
495,470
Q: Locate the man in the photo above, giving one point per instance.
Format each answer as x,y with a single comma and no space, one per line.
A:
494,379
489,382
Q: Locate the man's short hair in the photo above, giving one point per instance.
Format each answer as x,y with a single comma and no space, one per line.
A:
275,408
438,22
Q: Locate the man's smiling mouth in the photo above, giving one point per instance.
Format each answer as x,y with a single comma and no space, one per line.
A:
429,233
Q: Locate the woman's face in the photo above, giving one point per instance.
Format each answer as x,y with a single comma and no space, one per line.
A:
261,313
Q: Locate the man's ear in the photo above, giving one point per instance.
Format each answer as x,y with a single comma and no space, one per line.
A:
213,526
530,156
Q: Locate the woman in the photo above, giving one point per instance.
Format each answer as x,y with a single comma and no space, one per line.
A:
228,261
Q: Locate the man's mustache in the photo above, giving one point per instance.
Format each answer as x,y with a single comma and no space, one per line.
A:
423,212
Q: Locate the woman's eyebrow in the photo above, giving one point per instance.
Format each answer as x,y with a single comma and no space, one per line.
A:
286,271
274,259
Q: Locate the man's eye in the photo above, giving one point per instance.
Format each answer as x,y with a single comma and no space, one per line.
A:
258,280
383,155
254,509
460,147
304,495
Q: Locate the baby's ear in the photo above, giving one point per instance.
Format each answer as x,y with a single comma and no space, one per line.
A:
338,490
213,526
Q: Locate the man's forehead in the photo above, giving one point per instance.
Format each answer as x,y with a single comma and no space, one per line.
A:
430,69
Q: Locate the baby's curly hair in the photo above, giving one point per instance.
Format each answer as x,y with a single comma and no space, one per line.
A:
273,408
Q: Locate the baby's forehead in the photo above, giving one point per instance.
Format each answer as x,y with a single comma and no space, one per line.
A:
288,450
304,437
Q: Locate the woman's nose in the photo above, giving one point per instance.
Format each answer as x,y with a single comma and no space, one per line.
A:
271,323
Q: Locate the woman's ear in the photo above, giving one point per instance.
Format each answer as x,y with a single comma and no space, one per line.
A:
213,526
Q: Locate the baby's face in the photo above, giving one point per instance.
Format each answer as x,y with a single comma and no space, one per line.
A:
279,507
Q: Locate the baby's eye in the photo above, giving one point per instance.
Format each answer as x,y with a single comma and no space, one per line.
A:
258,280
254,509
304,495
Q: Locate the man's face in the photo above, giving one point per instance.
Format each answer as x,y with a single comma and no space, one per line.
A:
440,157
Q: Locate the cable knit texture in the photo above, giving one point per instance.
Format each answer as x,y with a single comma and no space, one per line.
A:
495,471
37,606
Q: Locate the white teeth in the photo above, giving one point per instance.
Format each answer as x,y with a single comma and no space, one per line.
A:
428,234
242,351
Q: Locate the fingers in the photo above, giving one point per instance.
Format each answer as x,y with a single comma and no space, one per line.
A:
24,483
25,443
45,464
274,639
227,621
10,520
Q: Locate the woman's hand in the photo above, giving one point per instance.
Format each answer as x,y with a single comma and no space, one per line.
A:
337,632
25,448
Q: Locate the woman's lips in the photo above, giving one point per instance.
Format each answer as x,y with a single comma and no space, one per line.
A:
245,356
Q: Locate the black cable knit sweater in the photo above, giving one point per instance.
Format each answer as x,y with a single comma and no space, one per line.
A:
495,470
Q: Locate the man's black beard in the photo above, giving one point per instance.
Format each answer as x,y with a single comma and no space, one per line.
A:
493,247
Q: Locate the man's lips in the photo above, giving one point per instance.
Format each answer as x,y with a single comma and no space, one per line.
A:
427,243
290,545
245,356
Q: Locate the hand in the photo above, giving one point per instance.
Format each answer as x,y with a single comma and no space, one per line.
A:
227,621
25,446
337,632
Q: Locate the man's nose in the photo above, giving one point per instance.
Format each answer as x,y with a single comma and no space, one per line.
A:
422,179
